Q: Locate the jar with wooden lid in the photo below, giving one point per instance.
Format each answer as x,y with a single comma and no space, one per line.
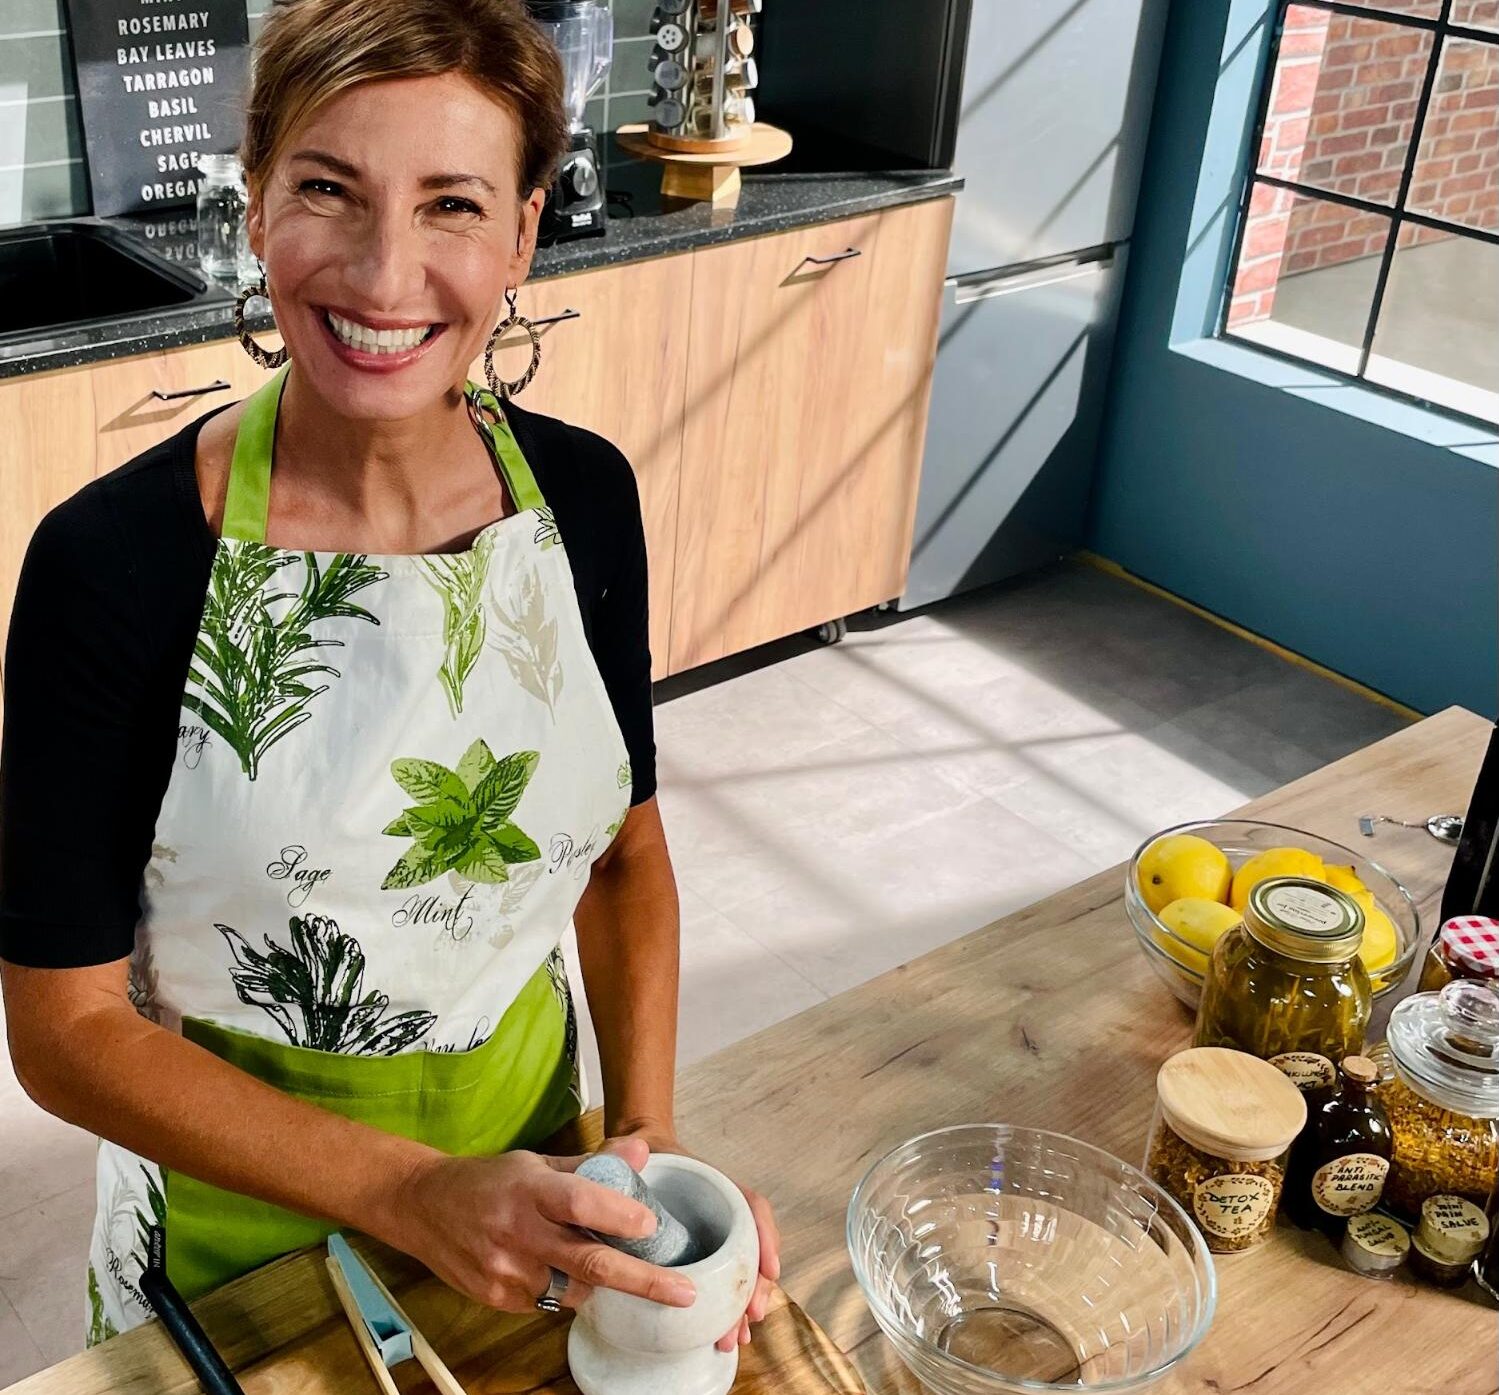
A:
1287,984
1224,1123
1467,946
1441,1058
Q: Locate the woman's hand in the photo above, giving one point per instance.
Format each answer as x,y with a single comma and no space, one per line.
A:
493,1228
665,1141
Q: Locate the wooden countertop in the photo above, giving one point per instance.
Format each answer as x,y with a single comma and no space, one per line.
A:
1051,1018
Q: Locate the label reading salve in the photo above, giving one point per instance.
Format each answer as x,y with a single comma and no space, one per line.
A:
1350,1185
1306,1069
1379,1236
1233,1206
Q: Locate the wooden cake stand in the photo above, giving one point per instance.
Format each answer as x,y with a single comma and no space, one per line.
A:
710,176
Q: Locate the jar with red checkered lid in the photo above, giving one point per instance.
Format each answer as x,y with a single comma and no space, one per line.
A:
1466,947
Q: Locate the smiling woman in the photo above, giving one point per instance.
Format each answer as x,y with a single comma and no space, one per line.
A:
376,623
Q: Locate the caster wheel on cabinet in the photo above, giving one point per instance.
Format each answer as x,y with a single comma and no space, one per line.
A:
833,631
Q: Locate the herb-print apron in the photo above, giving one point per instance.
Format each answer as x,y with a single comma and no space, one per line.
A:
393,777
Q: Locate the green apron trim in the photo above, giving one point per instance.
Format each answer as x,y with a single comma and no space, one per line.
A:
513,1091
247,501
506,450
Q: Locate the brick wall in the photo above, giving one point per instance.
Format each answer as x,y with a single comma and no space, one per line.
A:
1341,113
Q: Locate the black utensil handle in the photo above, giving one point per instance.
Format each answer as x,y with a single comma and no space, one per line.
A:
834,259
218,385
190,1339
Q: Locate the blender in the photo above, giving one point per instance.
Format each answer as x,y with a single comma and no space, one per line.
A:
583,31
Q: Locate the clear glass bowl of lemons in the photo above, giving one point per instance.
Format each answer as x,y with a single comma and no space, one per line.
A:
1187,885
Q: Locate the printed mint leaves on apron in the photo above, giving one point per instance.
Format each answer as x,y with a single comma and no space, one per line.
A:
547,533
461,820
254,653
459,580
313,991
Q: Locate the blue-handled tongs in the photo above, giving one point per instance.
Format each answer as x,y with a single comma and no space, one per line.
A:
385,1334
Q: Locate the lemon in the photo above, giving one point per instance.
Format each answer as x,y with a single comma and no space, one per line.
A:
1274,862
1200,923
1345,879
1182,865
1381,943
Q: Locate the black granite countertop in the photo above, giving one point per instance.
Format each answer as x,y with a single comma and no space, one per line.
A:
641,226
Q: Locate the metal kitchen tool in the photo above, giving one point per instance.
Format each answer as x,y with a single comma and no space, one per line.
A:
1445,828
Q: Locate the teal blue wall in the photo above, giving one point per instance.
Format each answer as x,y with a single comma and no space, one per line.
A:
1359,532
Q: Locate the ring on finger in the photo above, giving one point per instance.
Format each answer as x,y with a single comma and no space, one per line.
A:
551,1300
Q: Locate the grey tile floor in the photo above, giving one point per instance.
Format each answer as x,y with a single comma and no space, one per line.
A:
835,812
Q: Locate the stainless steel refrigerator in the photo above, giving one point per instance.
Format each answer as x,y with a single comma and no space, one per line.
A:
1043,107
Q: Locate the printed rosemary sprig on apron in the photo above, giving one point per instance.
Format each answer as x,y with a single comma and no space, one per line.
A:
529,642
250,666
100,1328
313,991
459,580
461,820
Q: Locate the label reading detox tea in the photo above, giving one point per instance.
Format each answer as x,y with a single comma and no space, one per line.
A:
1234,1205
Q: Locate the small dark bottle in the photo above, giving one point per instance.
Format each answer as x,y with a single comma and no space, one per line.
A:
1339,1163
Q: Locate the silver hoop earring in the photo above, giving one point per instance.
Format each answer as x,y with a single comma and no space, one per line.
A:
501,389
266,358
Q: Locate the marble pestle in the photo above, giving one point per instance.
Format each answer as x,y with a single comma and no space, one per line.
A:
670,1243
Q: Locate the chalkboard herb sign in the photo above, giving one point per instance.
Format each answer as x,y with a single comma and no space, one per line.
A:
160,82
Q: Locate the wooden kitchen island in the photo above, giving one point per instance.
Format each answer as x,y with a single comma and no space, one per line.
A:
1049,1018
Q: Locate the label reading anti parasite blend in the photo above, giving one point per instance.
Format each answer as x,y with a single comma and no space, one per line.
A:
1350,1185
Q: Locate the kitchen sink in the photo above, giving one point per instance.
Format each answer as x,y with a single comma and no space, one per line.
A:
66,275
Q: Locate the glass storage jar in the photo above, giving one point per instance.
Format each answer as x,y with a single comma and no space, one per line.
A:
1287,984
223,233
1441,1058
1467,946
1224,1123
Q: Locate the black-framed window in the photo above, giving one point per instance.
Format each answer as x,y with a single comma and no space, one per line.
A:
1368,237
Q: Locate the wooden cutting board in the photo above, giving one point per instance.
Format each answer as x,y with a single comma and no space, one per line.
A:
282,1332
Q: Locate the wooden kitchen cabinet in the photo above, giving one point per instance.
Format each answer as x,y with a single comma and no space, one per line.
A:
807,390
770,393
617,365
131,418
46,454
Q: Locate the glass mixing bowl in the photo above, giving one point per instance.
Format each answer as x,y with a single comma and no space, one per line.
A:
1174,960
1000,1259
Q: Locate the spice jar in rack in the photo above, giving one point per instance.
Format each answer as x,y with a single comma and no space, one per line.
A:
1287,984
1442,1096
1224,1123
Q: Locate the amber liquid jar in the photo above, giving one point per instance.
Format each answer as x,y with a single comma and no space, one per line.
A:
1339,1163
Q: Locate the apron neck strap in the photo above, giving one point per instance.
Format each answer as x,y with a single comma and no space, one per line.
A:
247,500
493,427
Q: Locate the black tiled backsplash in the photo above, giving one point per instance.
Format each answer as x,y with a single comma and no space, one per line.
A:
42,174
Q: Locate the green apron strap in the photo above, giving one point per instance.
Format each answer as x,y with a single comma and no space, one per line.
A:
247,502
508,456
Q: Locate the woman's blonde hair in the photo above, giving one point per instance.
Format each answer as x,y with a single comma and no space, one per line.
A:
312,50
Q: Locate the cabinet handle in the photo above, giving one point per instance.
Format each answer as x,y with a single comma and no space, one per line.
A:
218,385
558,319
830,261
